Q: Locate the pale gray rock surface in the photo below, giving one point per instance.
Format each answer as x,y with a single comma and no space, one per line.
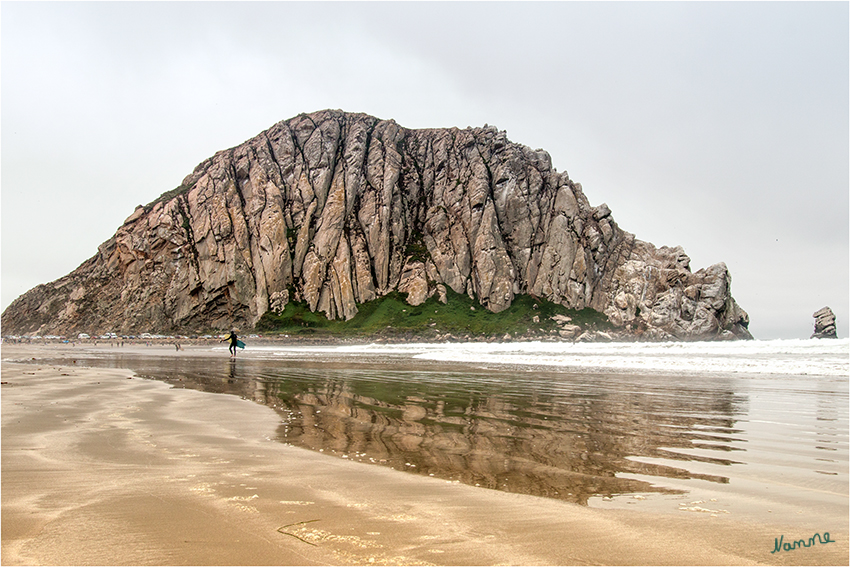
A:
824,324
337,209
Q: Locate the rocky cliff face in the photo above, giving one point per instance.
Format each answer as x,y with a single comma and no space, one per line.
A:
337,209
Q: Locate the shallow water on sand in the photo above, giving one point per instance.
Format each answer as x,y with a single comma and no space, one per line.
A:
681,424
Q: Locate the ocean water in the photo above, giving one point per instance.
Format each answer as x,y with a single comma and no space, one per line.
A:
812,357
755,427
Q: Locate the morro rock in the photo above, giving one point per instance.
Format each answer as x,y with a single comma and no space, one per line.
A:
337,209
824,324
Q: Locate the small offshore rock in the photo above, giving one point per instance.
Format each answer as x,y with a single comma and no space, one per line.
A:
824,324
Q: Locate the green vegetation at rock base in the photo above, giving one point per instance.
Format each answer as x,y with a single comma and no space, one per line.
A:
390,316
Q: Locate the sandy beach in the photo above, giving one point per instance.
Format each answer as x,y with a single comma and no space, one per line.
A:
100,466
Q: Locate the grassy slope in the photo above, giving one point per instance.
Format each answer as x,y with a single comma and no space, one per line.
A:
463,317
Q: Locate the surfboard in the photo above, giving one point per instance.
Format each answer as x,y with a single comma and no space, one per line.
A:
240,344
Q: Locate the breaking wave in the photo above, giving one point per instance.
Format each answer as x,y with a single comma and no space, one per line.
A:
812,357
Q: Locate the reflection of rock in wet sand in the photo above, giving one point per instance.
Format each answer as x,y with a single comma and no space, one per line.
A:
490,430
570,449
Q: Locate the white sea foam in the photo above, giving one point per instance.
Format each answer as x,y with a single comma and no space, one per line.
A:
810,357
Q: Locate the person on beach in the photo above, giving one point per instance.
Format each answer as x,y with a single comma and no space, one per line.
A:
233,339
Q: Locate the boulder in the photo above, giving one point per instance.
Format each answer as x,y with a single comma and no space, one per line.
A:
824,324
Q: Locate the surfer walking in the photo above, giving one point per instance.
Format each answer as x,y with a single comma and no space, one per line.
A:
233,340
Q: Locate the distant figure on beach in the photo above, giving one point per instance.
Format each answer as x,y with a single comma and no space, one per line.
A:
233,340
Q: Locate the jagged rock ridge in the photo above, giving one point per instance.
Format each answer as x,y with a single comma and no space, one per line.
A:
337,209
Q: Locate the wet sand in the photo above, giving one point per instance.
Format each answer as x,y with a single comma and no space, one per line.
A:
101,467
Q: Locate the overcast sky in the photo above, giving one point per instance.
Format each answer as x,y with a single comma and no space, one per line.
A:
721,126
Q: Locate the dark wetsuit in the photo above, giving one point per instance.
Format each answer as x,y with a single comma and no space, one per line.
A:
232,338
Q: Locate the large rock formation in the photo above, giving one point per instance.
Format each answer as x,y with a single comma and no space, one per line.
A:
337,209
